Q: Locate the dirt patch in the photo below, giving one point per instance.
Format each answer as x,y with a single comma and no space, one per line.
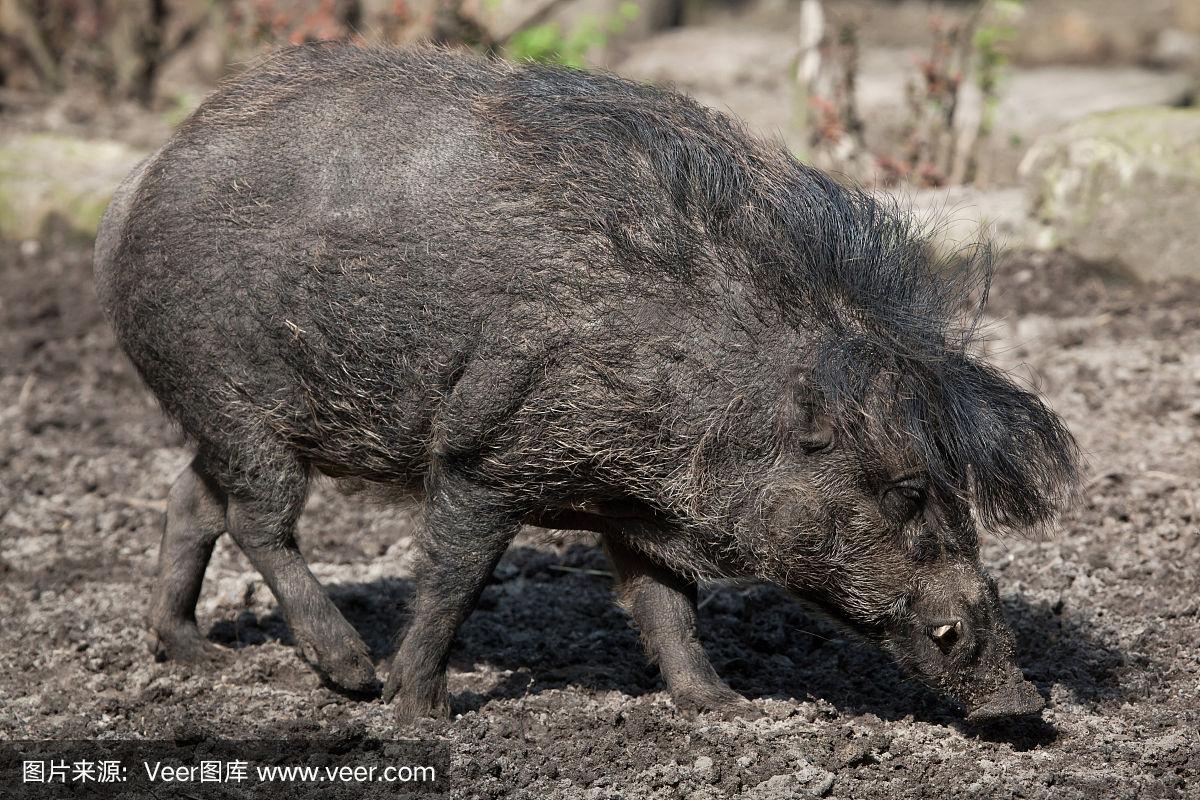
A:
554,697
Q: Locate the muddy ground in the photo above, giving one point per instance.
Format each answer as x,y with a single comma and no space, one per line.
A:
551,694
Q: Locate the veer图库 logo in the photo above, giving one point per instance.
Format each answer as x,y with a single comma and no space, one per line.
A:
212,768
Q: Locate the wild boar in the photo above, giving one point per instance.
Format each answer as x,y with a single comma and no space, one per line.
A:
528,294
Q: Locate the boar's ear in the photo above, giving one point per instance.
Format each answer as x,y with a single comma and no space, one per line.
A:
802,421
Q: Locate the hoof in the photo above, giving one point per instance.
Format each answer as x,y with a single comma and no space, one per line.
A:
348,668
720,701
410,709
185,645
416,700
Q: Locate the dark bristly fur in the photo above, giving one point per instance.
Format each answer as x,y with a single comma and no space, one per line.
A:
531,294
834,260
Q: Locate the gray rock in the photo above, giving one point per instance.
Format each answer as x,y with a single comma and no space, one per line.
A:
44,175
958,217
808,781
1124,189
1040,100
1177,48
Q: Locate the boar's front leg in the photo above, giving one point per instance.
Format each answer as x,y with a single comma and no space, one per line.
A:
663,605
467,528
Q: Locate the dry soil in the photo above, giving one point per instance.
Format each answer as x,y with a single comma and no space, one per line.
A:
551,694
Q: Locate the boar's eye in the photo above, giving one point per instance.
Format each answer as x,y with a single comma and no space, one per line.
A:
817,439
818,444
904,500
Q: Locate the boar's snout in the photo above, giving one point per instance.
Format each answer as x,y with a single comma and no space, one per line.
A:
955,638
1016,697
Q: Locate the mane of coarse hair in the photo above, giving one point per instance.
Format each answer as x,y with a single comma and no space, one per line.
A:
892,325
893,358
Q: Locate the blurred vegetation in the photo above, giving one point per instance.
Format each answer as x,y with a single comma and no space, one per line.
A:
950,101
130,49
992,40
546,43
122,48
167,54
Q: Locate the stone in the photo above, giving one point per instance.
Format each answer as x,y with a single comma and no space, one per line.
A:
45,175
807,781
1040,100
958,217
1177,48
1123,189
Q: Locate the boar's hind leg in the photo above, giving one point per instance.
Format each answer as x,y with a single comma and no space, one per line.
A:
195,520
263,526
663,605
466,530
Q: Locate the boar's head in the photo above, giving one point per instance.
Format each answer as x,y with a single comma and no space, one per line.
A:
892,440
885,464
